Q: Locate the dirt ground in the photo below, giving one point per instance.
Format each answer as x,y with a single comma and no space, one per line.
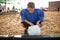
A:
10,24
51,23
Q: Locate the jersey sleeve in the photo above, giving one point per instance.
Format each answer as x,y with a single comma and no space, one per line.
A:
40,15
23,16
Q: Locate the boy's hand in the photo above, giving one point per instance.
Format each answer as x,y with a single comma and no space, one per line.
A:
40,25
37,23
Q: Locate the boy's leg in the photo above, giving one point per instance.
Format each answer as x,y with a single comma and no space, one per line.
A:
40,24
26,26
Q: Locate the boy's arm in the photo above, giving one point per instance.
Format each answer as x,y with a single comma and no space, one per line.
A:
29,22
41,18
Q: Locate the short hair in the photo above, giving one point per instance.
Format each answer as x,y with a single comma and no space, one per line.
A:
31,5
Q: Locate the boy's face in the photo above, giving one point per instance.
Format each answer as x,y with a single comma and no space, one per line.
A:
31,10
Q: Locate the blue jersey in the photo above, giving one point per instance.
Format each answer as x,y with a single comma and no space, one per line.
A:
37,15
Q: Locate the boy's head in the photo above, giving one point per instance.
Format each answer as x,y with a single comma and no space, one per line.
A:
31,7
